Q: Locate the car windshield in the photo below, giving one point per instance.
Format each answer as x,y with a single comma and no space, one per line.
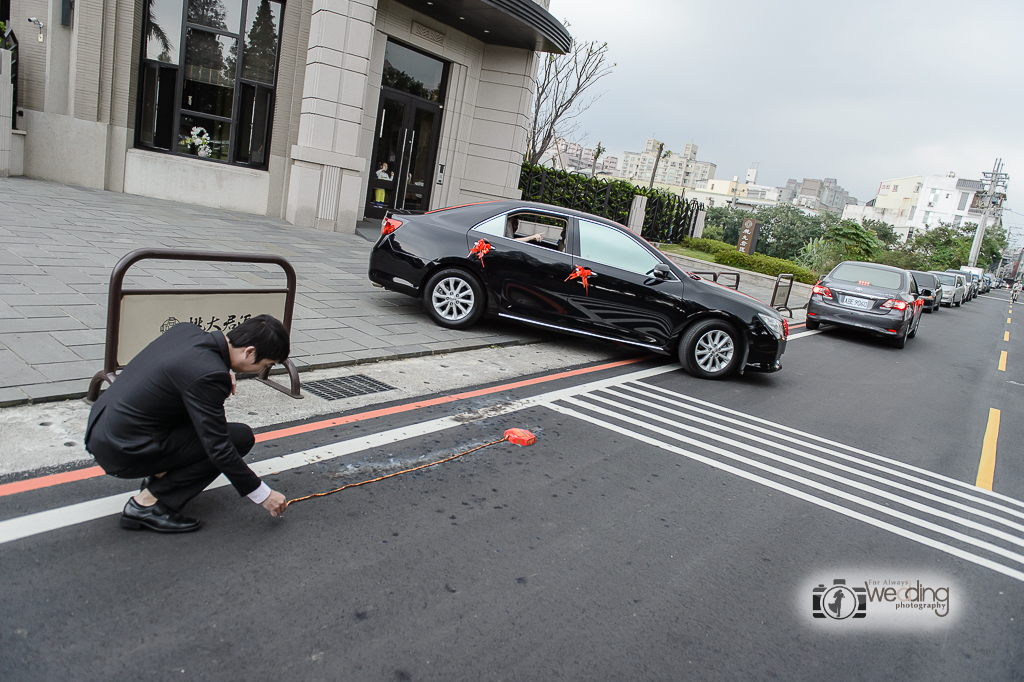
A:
947,279
923,279
867,276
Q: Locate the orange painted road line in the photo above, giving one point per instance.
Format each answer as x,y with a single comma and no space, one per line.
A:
1002,361
987,467
1007,320
1006,336
95,472
396,409
47,481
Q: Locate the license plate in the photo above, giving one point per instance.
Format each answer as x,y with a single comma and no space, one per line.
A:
853,302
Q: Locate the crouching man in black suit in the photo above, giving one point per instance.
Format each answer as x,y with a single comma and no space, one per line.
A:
163,419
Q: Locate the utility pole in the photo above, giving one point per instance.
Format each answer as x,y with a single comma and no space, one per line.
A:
657,160
996,179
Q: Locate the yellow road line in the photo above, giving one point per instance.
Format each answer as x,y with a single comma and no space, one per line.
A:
1007,320
1006,336
987,467
1002,361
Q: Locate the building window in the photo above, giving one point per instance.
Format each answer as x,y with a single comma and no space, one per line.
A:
215,97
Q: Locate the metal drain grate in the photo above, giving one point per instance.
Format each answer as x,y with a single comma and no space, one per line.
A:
345,387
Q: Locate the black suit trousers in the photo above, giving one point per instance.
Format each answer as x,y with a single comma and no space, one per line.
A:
186,467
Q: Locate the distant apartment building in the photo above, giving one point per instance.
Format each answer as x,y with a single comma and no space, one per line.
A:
573,156
735,194
818,195
920,202
952,200
895,203
677,170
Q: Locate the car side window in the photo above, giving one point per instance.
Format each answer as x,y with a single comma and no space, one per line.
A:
913,285
538,229
493,226
606,245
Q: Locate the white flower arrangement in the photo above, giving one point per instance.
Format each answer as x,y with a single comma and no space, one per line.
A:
201,140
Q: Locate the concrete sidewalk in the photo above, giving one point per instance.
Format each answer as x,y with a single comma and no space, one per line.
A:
58,245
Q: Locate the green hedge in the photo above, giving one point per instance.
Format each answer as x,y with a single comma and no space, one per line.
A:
765,265
711,246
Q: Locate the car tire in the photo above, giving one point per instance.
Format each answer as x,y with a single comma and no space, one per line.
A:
710,349
913,332
812,324
454,298
901,340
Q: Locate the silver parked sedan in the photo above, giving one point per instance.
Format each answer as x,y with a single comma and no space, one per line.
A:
954,288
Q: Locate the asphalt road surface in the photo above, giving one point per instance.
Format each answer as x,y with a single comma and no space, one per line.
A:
661,528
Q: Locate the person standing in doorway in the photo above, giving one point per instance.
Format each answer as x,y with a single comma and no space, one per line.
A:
163,420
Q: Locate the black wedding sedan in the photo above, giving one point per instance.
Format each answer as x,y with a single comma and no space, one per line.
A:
572,272
876,298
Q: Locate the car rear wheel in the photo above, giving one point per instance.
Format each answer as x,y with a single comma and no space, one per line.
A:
901,340
812,324
454,298
710,349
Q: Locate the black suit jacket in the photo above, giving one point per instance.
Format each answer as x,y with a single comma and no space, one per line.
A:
182,376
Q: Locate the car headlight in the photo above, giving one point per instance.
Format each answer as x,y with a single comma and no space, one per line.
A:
774,325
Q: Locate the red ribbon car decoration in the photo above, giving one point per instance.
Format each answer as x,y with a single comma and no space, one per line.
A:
481,249
582,273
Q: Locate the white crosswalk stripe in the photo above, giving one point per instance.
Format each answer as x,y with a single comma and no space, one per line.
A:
940,512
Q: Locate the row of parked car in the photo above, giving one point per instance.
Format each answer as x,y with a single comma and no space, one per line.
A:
951,288
888,301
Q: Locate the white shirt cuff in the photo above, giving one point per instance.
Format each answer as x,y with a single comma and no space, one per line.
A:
260,495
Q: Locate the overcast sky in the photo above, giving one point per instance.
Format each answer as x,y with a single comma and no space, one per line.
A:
859,91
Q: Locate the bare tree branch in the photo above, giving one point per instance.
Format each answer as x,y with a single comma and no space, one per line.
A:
562,81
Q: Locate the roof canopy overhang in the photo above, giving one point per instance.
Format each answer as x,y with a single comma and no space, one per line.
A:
512,23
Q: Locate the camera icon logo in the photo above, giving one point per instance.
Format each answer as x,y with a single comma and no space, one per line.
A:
839,602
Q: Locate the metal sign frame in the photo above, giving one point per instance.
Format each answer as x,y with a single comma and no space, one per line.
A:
787,280
117,291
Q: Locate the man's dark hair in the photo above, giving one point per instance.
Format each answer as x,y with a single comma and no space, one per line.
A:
264,333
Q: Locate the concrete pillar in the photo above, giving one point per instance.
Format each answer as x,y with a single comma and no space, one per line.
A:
6,93
325,160
636,213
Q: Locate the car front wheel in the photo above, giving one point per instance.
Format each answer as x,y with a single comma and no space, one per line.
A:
454,298
710,349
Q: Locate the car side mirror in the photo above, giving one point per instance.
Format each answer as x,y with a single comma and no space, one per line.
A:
662,271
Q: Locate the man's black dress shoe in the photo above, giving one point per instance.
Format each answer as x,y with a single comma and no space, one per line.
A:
157,517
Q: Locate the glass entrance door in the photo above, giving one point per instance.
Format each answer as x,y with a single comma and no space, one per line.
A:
408,129
404,152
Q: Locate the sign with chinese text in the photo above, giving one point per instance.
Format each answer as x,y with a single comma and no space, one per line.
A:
144,317
749,230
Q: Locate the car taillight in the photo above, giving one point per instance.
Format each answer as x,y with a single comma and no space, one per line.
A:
824,291
785,329
894,303
389,225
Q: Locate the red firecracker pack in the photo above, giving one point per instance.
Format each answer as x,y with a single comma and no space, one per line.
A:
520,437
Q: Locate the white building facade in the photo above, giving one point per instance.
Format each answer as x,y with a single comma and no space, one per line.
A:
321,112
676,170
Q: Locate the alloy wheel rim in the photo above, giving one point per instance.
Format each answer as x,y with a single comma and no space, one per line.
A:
714,351
453,299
